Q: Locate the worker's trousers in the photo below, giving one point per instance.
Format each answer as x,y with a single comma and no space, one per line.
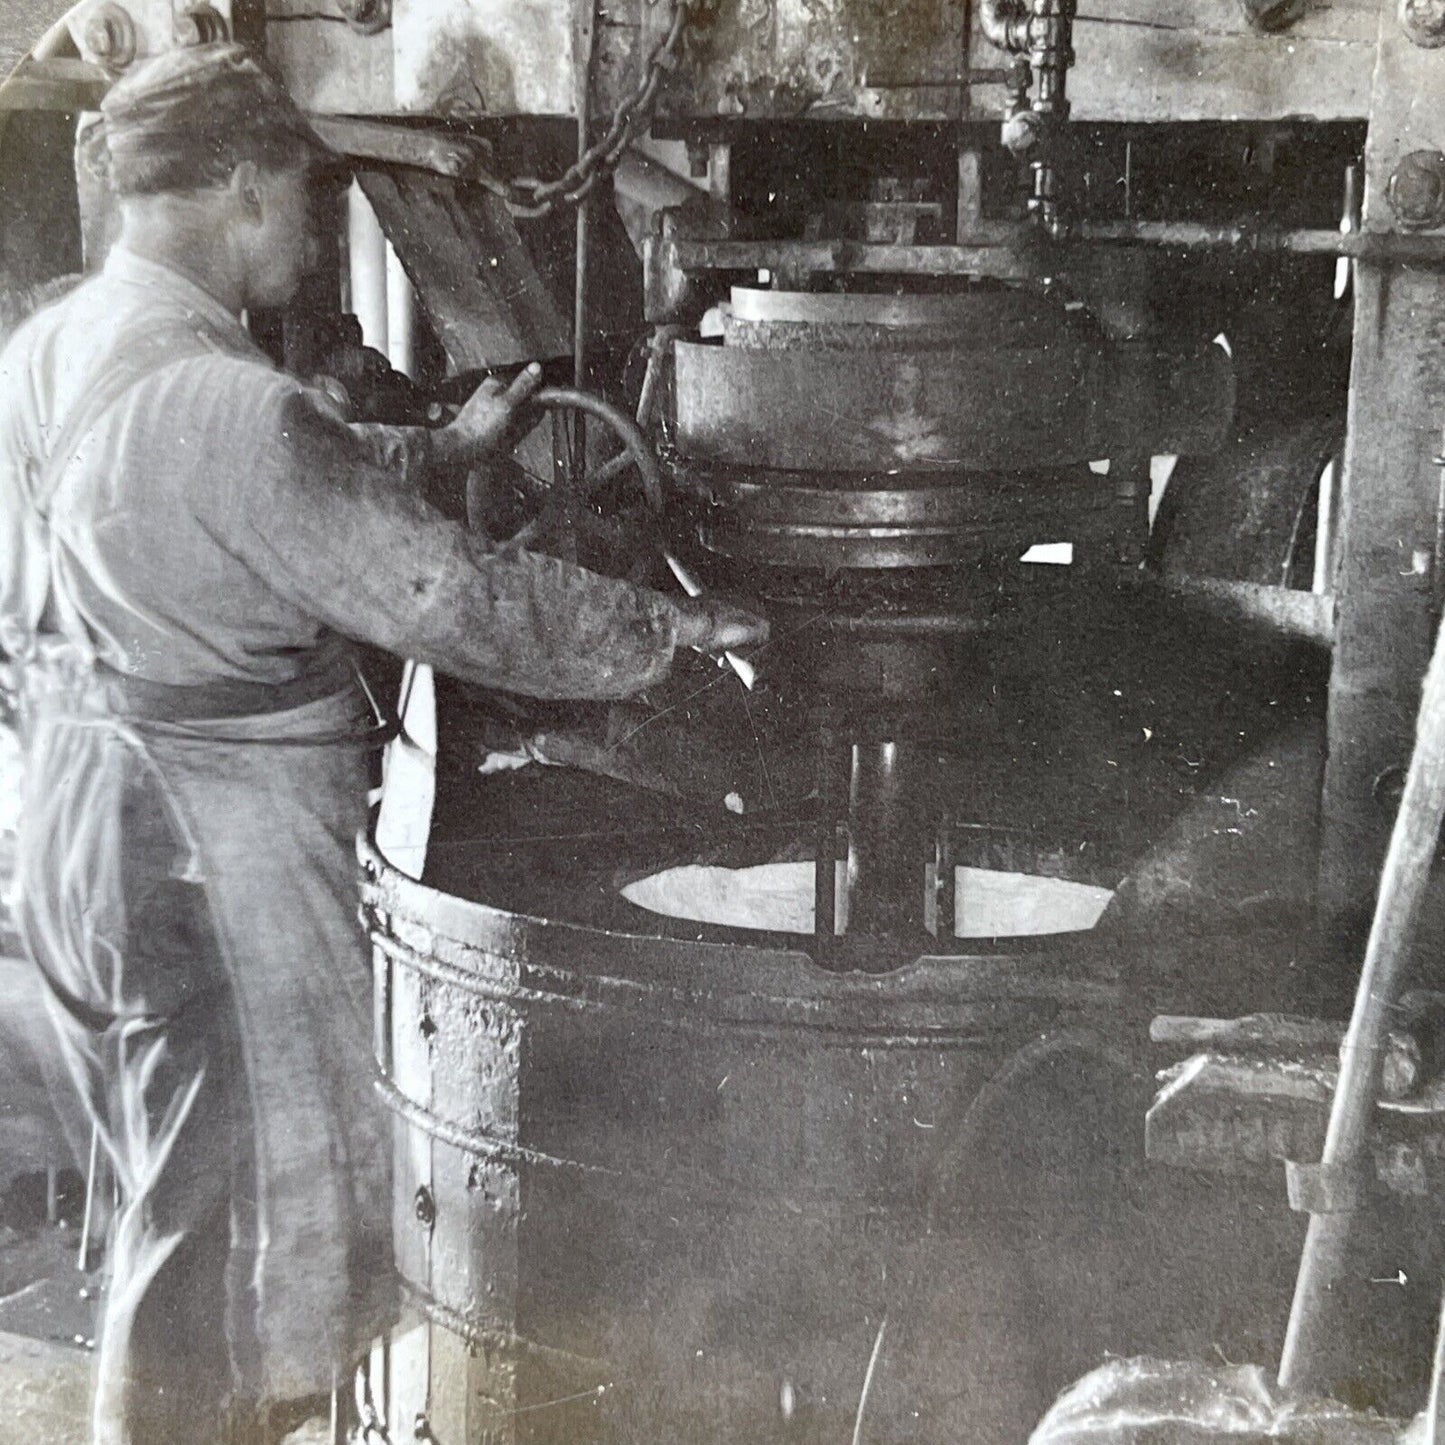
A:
146,1022
192,907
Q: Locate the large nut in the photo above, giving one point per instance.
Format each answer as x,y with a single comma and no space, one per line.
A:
200,25
369,17
1021,132
1424,22
110,37
1272,16
1416,192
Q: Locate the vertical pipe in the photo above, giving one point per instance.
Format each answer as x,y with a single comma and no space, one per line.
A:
1325,525
720,173
366,250
587,19
1435,1410
1324,1261
400,316
337,1431
579,299
92,1183
825,848
885,866
578,459
945,925
970,193
1133,485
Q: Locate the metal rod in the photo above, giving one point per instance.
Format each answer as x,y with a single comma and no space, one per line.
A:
885,866
1005,250
82,1262
1437,580
584,237
1301,241
400,316
579,301
746,673
1324,1260
337,1431
945,924
825,850
1435,1410
970,191
366,249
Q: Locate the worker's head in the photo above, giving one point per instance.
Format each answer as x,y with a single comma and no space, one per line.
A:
205,137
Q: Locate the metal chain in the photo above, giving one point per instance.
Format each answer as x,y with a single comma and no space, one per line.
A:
528,197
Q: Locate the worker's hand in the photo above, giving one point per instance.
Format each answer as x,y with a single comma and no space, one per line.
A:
716,627
494,418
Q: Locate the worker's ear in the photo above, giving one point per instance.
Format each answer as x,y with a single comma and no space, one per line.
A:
246,189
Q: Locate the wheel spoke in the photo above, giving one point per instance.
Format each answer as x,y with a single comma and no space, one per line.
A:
605,473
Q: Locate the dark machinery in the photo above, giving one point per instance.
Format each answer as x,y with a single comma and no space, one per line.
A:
776,1070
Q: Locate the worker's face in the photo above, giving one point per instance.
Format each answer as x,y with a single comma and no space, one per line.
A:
287,210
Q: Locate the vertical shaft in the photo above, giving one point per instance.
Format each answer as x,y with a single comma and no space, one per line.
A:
885,864
587,48
825,848
366,247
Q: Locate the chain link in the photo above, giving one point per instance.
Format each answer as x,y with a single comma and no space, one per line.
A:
528,197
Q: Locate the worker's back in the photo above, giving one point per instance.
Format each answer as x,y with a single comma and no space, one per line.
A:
165,410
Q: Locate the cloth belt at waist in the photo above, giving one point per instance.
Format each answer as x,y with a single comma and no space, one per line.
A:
141,698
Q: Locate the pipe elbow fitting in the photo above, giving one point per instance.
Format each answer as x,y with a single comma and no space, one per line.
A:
1005,24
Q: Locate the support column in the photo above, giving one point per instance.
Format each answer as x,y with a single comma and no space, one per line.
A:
885,860
1390,492
366,248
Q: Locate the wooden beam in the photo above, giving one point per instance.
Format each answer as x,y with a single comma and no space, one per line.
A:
63,85
458,156
473,274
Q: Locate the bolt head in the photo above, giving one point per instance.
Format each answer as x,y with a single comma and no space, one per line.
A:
368,17
1272,16
1423,21
100,38
110,37
1416,191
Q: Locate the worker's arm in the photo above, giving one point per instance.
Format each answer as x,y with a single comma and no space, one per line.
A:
321,518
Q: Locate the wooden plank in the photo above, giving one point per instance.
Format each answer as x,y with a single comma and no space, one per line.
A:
473,274
1388,568
404,145
26,90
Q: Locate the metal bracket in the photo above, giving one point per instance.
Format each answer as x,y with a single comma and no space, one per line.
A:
1328,1188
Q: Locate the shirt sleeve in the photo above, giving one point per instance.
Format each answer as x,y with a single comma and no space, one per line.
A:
332,517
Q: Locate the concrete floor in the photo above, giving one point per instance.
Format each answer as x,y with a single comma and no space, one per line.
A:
47,1329
44,1389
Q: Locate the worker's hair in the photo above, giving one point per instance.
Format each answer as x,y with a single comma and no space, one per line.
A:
204,164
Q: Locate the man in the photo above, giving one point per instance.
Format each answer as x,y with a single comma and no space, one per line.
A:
188,539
